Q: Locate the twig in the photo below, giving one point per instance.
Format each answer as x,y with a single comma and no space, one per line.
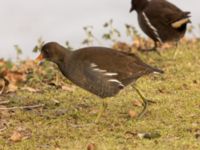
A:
24,107
3,88
81,126
4,102
2,129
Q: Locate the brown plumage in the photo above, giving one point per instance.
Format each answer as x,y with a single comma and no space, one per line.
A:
161,20
99,70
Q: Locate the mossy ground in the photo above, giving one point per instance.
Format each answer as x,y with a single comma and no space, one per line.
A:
175,115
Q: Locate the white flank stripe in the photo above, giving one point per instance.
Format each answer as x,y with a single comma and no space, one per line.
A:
152,27
117,81
99,70
93,65
111,74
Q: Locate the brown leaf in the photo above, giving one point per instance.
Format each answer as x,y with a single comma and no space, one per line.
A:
30,89
27,65
137,103
20,134
122,46
132,114
91,146
14,77
68,88
4,113
16,136
11,88
2,85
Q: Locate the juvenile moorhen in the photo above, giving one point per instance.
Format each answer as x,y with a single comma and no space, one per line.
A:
161,20
99,70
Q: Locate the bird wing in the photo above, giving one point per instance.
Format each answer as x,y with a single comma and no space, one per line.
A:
165,13
128,66
105,71
100,81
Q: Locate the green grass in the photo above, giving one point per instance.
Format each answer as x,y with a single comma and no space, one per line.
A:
175,116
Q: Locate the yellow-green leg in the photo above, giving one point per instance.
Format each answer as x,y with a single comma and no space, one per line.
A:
176,50
145,103
102,109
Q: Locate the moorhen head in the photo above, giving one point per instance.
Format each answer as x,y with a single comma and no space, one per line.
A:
99,70
161,20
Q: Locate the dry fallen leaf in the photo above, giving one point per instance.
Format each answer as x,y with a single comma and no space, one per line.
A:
91,146
122,46
4,113
2,85
30,89
132,114
137,103
68,88
20,134
11,88
16,136
14,77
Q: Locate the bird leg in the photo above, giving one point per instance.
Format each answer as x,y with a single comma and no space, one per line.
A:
102,109
145,103
176,50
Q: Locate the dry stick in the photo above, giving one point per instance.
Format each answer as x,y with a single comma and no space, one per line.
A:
24,107
2,90
2,129
4,102
81,126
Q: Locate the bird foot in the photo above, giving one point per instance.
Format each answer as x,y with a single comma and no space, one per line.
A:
145,104
151,101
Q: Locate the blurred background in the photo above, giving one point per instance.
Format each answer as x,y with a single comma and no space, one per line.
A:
23,22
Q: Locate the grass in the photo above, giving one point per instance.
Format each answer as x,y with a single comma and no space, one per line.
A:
175,116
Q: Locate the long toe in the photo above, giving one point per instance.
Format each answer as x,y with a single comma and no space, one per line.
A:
145,105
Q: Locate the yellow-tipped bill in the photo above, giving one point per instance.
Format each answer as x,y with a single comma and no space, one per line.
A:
40,59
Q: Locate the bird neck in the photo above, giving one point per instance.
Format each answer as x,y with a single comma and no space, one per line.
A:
63,57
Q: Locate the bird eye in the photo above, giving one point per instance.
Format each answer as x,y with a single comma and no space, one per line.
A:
45,52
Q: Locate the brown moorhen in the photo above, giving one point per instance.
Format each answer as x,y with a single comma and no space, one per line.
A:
99,70
161,20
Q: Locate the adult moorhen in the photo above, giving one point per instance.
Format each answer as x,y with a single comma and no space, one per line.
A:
161,20
99,70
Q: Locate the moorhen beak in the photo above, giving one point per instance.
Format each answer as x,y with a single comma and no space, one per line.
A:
40,59
161,20
99,70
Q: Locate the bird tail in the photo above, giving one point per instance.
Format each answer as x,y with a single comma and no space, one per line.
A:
181,22
156,70
177,24
187,14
